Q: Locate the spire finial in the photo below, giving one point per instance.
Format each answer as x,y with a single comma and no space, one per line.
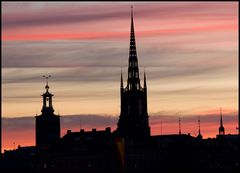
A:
221,123
132,11
132,25
47,77
199,136
199,130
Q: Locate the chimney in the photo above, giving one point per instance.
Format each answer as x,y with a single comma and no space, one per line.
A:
69,131
108,129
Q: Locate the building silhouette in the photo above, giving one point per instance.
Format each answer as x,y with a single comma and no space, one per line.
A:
221,128
133,121
47,124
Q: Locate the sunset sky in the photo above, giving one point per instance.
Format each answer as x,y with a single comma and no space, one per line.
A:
189,52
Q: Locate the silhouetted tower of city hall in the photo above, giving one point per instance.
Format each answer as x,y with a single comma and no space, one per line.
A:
47,124
133,121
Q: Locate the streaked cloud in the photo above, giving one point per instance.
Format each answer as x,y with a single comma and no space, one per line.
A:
65,13
46,21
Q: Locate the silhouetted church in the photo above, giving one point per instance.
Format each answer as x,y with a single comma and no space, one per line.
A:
47,124
129,149
133,121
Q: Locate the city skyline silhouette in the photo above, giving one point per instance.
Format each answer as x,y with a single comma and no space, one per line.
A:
136,143
28,96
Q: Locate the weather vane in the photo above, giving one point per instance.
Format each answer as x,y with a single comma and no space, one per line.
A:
46,77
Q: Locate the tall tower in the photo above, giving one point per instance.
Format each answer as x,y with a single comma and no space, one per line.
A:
47,124
133,121
221,128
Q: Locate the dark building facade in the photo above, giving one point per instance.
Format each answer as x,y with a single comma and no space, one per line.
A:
47,124
133,121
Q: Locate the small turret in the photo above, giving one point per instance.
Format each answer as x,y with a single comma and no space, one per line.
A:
221,128
47,98
179,126
199,136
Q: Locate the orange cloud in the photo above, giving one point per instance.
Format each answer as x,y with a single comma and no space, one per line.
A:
11,139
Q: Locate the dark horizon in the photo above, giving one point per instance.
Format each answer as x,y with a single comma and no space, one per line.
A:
193,43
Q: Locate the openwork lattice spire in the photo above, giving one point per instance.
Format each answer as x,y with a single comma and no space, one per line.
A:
133,71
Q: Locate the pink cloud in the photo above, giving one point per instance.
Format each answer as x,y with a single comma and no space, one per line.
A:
84,21
38,36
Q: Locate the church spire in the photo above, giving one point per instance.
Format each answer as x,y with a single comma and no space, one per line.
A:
221,128
179,126
133,71
133,121
199,130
